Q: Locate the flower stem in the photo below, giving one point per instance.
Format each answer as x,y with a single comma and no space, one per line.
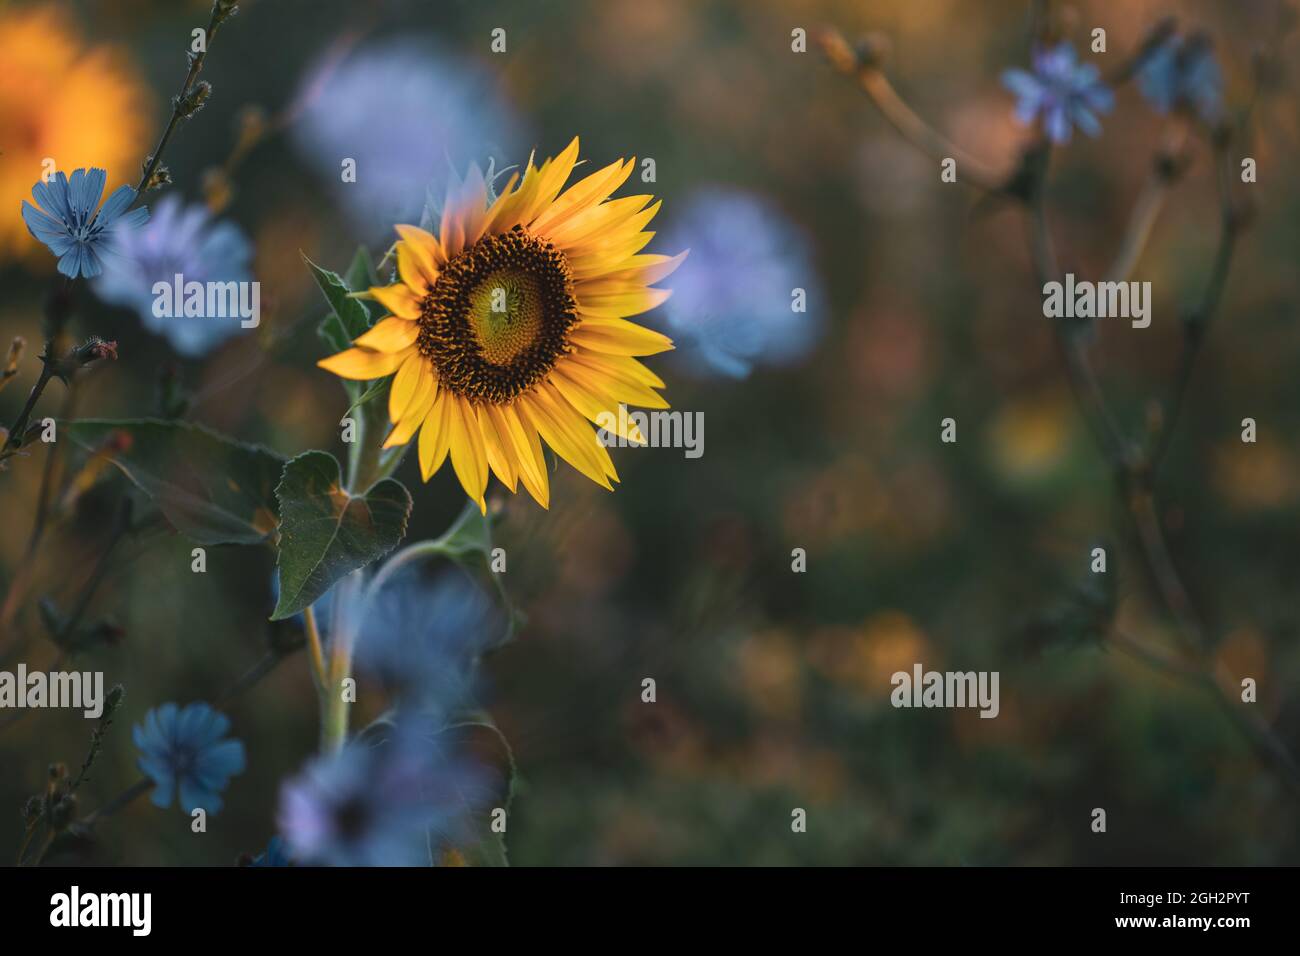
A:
315,652
334,715
178,112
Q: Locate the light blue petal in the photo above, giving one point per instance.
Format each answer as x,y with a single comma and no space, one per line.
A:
1021,82
47,229
219,763
53,196
194,795
89,265
1057,125
115,205
70,262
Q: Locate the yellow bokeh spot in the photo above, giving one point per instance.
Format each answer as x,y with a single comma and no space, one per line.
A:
62,100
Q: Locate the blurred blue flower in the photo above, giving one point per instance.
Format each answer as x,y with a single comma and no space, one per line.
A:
182,241
183,748
386,803
407,114
67,222
1183,72
422,635
1060,90
733,304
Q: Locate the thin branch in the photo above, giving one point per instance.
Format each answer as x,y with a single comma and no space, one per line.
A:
1195,325
863,65
183,104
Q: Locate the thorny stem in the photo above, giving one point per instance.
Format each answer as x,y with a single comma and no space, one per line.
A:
138,789
1136,475
15,436
874,82
178,112
1196,323
1166,169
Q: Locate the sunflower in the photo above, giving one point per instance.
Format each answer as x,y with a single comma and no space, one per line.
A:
509,328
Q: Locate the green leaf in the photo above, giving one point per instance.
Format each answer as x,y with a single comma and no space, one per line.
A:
479,732
326,533
351,313
332,333
212,489
360,276
380,385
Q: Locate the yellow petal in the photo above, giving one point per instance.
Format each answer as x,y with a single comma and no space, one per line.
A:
620,304
492,221
572,439
405,385
362,364
473,199
585,194
612,234
551,179
415,413
596,407
592,222
642,270
424,244
435,435
399,300
529,458
621,367
416,268
390,335
611,258
499,457
468,457
615,388
627,339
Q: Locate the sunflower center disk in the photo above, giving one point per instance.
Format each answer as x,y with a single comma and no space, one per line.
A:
498,318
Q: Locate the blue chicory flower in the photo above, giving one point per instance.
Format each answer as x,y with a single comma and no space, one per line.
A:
1060,91
179,240
1182,72
65,219
734,304
387,803
181,748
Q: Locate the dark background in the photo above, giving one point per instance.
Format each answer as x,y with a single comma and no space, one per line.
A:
772,686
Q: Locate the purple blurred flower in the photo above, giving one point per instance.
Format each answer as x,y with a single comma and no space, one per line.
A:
1183,72
181,749
69,225
1061,91
733,302
387,803
408,114
181,241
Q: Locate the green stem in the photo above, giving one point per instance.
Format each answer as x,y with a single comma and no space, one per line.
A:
336,705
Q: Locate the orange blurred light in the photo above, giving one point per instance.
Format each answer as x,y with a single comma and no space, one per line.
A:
61,100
